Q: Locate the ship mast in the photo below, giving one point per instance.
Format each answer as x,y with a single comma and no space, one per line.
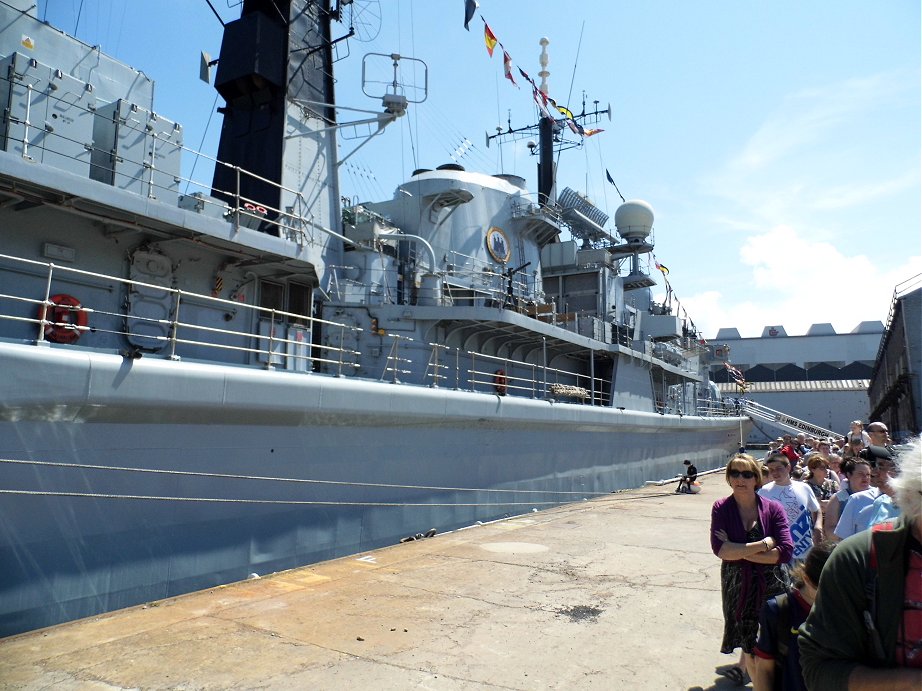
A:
547,169
549,135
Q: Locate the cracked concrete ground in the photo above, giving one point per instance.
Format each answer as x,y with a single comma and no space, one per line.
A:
621,592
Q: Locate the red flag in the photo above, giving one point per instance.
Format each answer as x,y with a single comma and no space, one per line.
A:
489,38
541,101
507,67
589,133
527,78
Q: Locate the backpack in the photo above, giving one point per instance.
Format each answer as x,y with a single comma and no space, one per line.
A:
783,642
870,593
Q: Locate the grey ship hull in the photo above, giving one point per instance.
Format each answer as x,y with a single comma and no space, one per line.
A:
110,418
190,382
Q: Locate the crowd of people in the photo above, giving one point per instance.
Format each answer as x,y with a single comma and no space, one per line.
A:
806,612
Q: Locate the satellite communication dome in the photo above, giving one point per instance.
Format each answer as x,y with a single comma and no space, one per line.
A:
634,220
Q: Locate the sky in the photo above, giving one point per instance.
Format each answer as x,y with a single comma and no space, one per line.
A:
778,142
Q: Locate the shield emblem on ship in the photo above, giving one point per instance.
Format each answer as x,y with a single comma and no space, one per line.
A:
498,245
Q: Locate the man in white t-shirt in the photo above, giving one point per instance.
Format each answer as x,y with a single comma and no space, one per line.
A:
800,504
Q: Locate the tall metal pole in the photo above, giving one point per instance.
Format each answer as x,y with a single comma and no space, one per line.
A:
546,167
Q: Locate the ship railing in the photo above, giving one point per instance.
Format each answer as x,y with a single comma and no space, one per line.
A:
721,408
394,364
482,276
173,335
478,372
267,339
501,374
435,372
529,205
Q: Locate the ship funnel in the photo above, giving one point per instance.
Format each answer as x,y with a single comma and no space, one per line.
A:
634,221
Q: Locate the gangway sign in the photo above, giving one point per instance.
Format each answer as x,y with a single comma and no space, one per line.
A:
757,410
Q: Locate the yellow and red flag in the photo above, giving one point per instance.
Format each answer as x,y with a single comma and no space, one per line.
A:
489,38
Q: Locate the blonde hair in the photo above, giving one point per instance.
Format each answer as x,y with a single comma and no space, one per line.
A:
751,465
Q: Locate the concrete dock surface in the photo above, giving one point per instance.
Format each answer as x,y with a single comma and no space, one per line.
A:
620,592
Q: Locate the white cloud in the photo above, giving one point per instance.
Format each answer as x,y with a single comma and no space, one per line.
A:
797,282
823,201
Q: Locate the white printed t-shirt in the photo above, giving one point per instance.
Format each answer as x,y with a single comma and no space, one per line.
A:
798,501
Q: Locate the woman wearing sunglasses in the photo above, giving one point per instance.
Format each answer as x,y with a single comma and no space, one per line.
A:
750,534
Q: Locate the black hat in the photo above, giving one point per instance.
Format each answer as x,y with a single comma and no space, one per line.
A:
872,454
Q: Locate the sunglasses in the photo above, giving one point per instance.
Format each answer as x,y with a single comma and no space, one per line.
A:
746,474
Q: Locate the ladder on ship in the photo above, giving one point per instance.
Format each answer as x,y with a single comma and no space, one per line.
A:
788,422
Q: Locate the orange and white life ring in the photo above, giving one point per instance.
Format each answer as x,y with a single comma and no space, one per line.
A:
65,319
500,382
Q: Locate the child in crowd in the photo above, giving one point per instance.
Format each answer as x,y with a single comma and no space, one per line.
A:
777,657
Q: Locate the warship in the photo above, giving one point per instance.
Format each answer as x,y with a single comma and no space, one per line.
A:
203,382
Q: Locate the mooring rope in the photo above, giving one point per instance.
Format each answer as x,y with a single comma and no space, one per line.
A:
228,476
220,500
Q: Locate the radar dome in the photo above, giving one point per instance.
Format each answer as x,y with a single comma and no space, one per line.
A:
634,220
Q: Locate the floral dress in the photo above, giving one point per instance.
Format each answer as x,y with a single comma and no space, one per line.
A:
825,490
745,587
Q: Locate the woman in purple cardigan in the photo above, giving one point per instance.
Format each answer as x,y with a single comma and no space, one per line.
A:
750,534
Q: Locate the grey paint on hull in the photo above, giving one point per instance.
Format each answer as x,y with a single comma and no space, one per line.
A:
76,556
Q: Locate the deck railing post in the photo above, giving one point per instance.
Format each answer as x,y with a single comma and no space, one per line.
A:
175,329
269,364
43,314
592,375
544,357
27,123
342,347
457,369
237,200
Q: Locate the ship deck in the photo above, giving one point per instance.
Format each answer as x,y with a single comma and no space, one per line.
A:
618,592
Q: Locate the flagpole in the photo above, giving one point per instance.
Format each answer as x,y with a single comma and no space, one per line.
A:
546,172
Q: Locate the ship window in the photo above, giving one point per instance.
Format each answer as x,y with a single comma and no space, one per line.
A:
272,295
299,301
292,297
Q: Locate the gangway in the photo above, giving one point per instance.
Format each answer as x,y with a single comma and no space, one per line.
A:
788,422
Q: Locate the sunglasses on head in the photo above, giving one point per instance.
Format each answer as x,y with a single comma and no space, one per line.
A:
746,474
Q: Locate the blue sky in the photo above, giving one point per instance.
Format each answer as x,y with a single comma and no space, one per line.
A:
778,142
